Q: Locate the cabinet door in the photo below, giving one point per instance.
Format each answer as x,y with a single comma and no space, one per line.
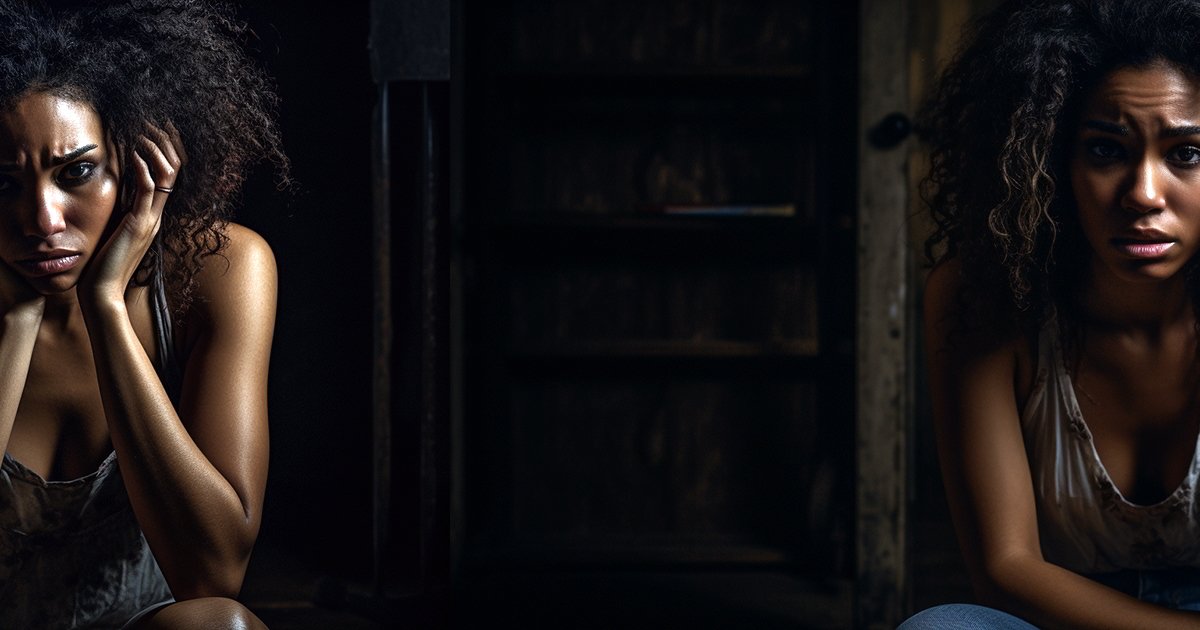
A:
659,290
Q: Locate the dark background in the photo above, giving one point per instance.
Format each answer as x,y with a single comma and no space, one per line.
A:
620,463
318,495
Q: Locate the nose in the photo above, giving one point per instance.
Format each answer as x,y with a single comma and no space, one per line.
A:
1145,192
46,214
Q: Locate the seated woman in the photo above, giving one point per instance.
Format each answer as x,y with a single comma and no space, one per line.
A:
1061,317
135,320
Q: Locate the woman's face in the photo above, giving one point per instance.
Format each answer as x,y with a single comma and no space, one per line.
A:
58,188
1135,173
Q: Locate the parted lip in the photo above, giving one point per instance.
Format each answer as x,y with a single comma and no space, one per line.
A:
47,255
1148,235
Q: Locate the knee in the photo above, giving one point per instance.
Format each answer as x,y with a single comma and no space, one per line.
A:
223,613
965,617
937,617
206,613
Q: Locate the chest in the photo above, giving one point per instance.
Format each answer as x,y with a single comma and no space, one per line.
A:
60,431
1140,406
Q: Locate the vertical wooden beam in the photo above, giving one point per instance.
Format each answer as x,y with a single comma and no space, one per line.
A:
883,322
381,385
431,287
410,57
456,315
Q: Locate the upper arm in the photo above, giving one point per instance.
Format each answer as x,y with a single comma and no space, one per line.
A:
229,330
977,422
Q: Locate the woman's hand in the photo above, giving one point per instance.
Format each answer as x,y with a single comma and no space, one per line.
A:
154,165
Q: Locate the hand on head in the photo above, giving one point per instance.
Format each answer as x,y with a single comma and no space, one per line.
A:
154,164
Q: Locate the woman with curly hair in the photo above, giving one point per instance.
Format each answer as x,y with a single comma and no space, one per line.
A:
1062,313
135,319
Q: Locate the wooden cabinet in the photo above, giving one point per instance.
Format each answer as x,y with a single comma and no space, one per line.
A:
657,233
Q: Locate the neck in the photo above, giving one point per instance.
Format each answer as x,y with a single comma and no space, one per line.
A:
1111,301
62,310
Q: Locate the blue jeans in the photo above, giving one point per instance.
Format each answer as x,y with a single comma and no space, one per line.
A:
964,617
1174,588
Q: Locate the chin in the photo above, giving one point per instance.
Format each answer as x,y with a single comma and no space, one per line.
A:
1148,273
54,285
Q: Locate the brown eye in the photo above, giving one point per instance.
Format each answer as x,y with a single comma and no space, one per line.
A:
77,173
1187,155
1103,149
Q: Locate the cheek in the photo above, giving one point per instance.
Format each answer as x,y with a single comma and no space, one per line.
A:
1090,205
1082,184
108,186
96,211
108,197
1091,192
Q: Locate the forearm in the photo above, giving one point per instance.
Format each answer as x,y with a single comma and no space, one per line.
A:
17,338
200,530
1052,597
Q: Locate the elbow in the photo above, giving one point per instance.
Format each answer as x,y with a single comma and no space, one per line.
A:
226,586
216,580
999,579
219,573
990,593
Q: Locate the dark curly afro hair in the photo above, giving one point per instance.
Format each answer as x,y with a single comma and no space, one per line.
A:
156,61
1000,123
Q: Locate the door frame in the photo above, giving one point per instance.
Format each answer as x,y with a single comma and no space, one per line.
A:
885,314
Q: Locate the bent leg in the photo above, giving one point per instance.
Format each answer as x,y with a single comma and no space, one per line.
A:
206,613
964,617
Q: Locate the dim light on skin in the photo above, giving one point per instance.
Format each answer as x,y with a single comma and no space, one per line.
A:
58,189
1135,174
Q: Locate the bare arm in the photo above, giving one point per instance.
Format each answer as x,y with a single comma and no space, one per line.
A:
196,477
18,333
988,483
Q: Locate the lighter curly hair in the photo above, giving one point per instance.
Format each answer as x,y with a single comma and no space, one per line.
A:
999,124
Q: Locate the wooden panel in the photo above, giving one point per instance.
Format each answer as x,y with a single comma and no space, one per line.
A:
653,239
646,389
620,168
688,461
680,32
884,341
704,302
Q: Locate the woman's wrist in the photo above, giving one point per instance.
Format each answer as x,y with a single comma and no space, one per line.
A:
25,314
98,307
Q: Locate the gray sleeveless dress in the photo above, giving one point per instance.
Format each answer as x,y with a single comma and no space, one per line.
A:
71,552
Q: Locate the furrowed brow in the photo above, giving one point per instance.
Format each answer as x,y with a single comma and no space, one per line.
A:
63,159
1177,132
1107,127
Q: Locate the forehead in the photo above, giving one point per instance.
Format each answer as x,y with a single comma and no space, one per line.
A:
1157,91
43,120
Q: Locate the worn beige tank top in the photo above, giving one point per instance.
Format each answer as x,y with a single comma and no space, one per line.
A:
1085,524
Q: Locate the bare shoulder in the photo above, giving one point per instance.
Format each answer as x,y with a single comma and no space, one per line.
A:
949,324
235,288
941,291
954,340
244,268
